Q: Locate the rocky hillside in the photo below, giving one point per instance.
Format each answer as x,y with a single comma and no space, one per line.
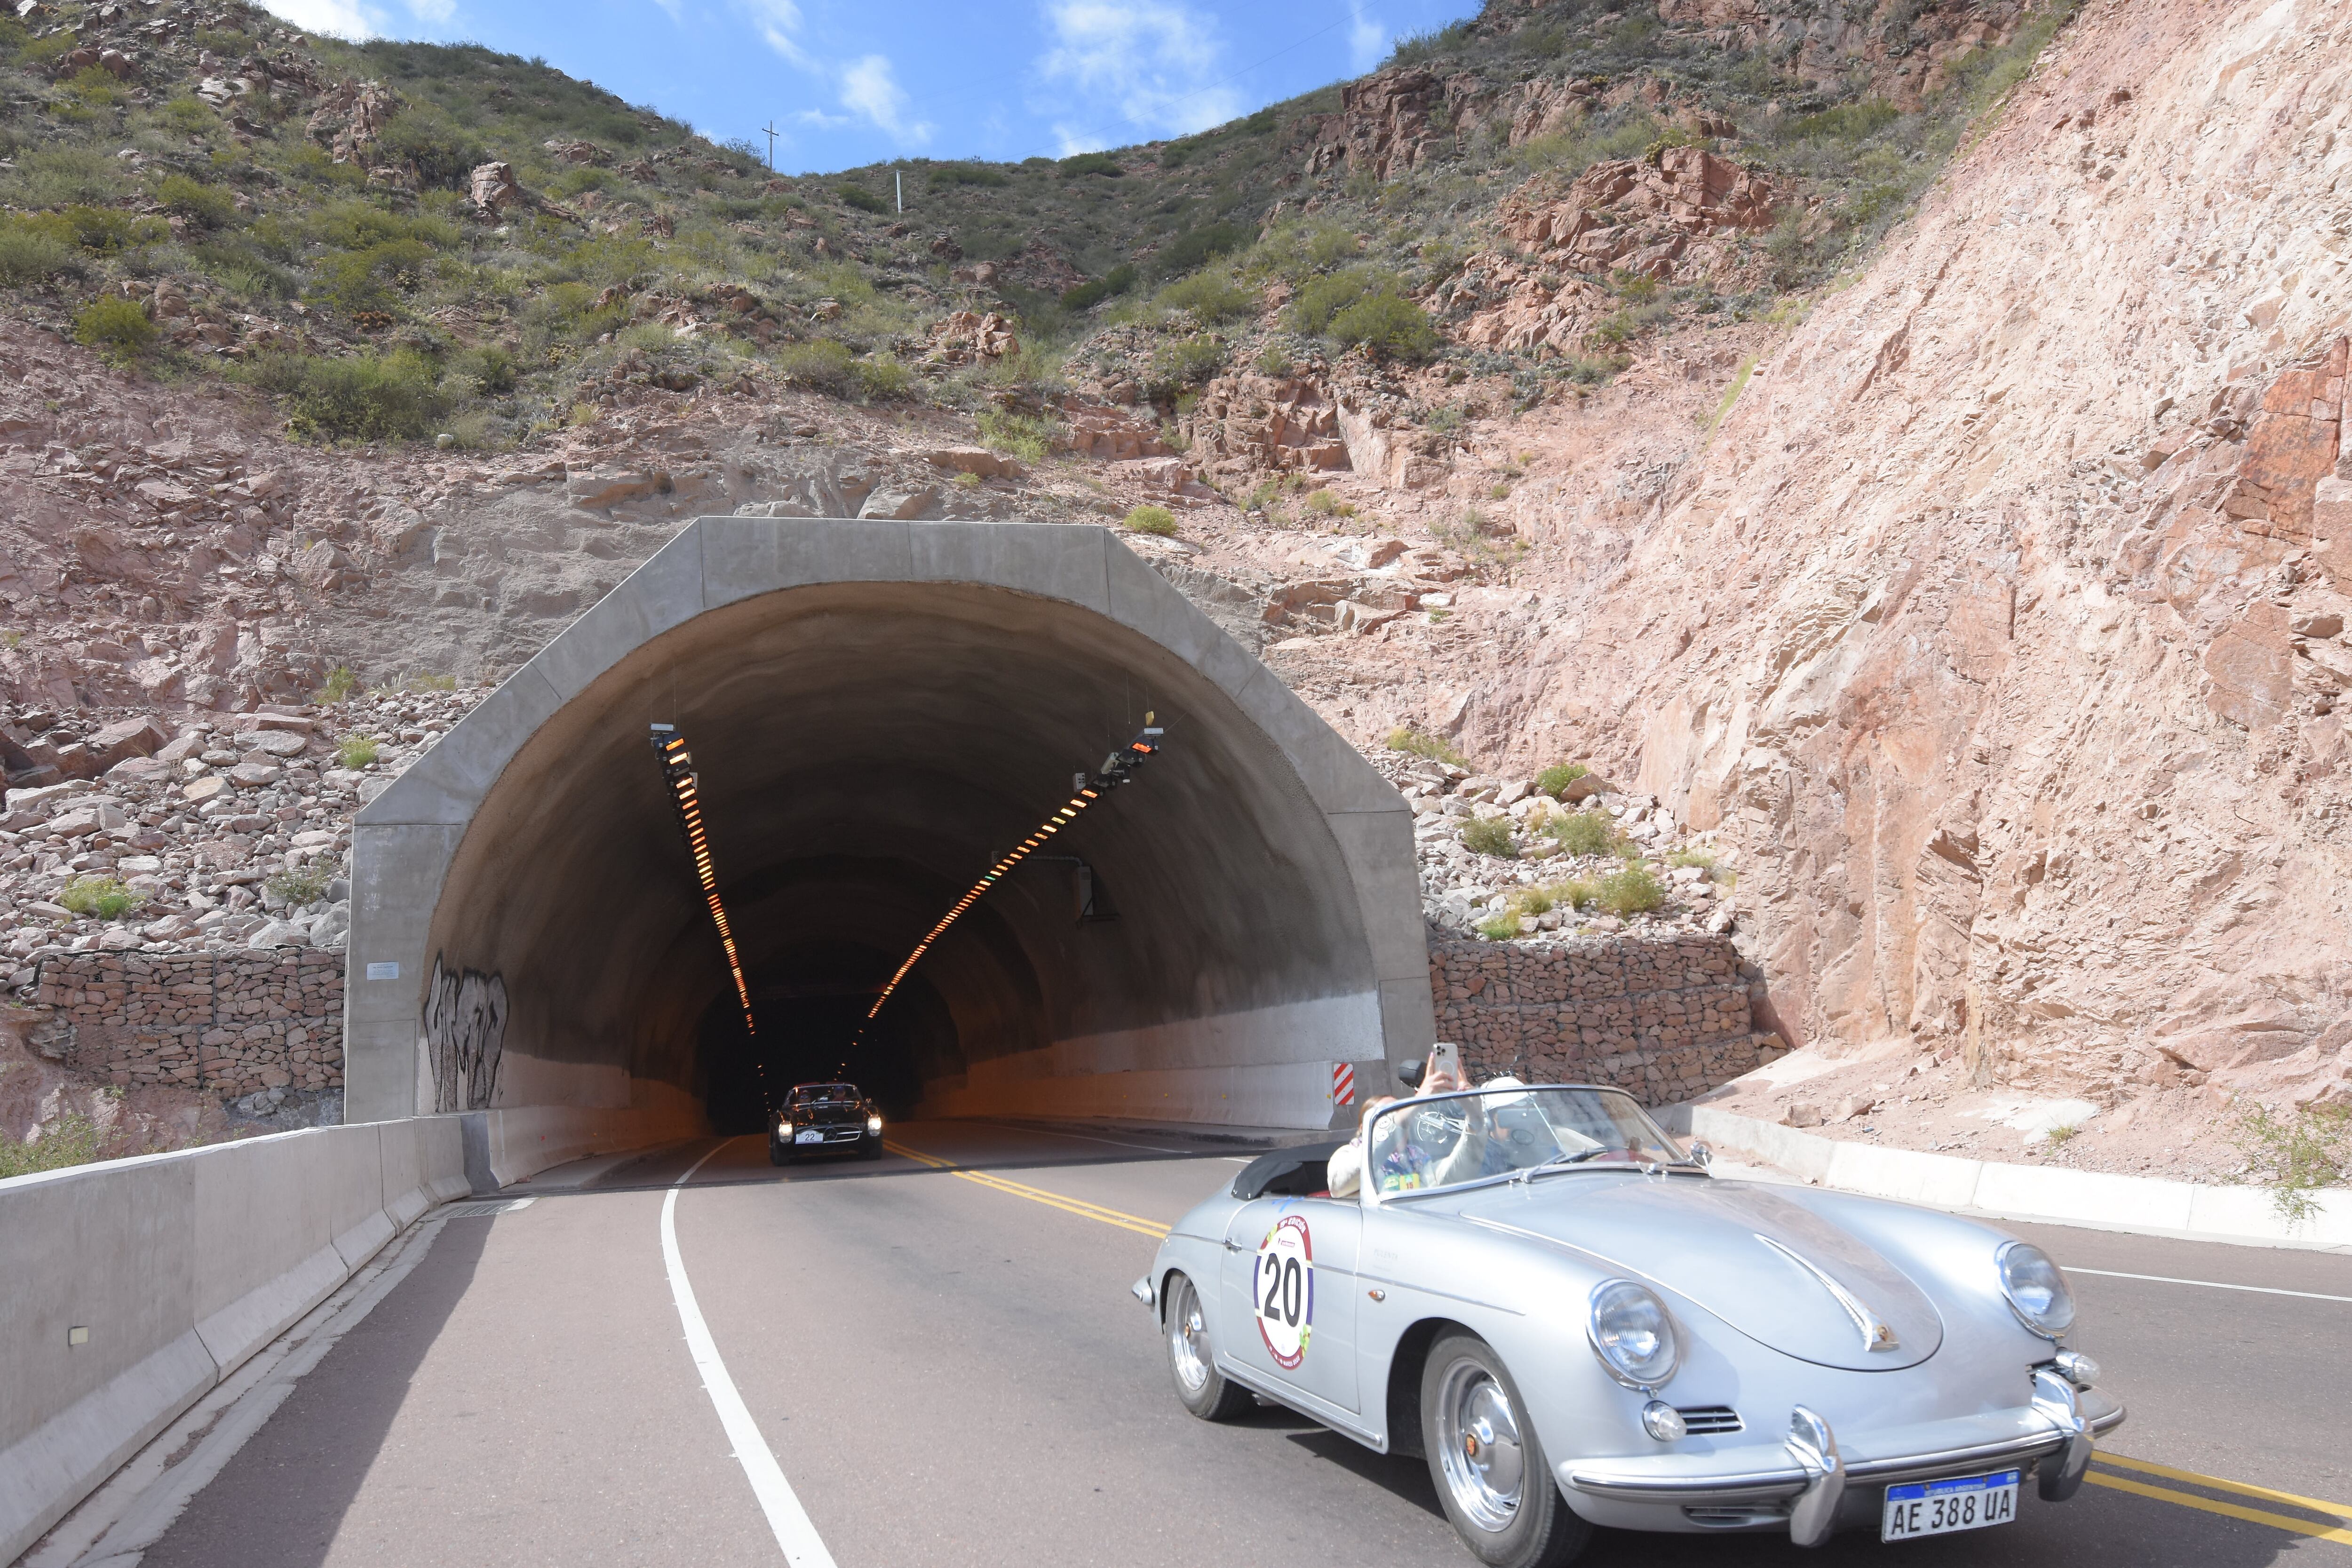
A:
1901,445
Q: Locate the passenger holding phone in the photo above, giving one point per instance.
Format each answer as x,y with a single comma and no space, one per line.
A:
1441,1073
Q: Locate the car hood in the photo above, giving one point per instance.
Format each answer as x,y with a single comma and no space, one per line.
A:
830,1115
1753,1257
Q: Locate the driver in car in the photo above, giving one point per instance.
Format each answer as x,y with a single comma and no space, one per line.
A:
1347,1166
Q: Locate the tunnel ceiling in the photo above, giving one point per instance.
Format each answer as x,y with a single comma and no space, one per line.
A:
864,748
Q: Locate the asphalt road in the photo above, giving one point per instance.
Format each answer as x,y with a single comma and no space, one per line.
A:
946,1363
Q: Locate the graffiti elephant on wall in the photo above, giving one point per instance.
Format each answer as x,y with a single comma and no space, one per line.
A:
464,1034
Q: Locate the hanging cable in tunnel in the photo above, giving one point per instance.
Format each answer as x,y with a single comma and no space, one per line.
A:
685,794
1117,769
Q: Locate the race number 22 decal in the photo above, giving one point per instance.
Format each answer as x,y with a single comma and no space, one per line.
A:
1284,1290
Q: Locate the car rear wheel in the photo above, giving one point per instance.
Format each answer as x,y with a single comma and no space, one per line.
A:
1205,1391
1488,1465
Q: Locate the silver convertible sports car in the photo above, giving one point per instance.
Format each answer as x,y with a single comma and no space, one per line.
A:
1578,1325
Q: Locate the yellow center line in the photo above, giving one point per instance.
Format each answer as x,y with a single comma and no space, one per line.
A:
1079,1206
2229,1510
2291,1499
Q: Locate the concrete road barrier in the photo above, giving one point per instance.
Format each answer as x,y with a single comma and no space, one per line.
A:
129,1288
2145,1206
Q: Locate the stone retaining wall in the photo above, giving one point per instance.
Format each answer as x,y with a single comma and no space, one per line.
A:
1665,1017
229,1022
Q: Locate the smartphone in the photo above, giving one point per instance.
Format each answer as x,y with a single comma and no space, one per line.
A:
1445,1056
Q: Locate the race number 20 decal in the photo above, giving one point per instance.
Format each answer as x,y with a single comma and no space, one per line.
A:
1285,1290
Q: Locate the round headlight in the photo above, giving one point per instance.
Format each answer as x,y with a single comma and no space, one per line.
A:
2036,1288
874,1124
1631,1333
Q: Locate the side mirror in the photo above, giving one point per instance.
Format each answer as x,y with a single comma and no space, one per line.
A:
1704,1155
1410,1072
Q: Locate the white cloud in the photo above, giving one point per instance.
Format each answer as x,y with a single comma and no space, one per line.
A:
1149,62
1072,141
869,89
341,19
820,120
432,10
779,22
1368,40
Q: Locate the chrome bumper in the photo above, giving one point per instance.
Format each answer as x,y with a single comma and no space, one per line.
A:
1804,1481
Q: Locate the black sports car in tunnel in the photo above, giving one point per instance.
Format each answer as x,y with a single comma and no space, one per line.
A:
818,1118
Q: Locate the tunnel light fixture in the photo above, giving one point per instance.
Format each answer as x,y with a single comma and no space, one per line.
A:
685,794
1117,769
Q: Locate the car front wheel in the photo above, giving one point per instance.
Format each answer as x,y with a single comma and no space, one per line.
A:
779,1151
1205,1391
1488,1465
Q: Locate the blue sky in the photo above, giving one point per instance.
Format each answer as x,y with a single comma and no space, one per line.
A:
846,82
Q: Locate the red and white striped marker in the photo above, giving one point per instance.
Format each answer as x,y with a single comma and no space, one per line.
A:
1343,1084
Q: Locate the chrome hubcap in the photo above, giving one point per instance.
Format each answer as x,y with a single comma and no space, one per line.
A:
1188,1340
1483,1462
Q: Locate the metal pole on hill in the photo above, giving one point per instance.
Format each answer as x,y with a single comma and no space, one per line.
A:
898,183
771,129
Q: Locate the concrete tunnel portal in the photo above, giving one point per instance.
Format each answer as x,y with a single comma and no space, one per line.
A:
876,712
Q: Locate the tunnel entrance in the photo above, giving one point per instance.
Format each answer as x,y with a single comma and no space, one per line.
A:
878,712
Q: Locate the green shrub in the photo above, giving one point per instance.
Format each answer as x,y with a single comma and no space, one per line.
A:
1499,927
946,175
861,198
1490,835
1188,251
1331,245
114,323
339,685
1323,503
190,115
820,365
1210,296
442,152
882,378
207,205
30,254
302,885
1531,902
1558,776
1026,438
1090,163
1584,832
1851,123
1187,362
102,898
1321,299
1420,743
2296,1153
366,397
1632,889
1390,325
102,231
1156,520
71,1139
1086,296
1578,892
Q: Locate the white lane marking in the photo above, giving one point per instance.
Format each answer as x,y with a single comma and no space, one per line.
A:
801,1546
2211,1285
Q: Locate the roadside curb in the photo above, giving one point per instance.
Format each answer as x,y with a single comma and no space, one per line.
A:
2145,1205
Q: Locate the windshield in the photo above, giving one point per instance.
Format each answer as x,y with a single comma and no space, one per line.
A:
1446,1141
821,1093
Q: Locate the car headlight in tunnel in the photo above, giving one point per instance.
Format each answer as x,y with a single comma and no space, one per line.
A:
873,1125
783,1128
1631,1333
2036,1288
